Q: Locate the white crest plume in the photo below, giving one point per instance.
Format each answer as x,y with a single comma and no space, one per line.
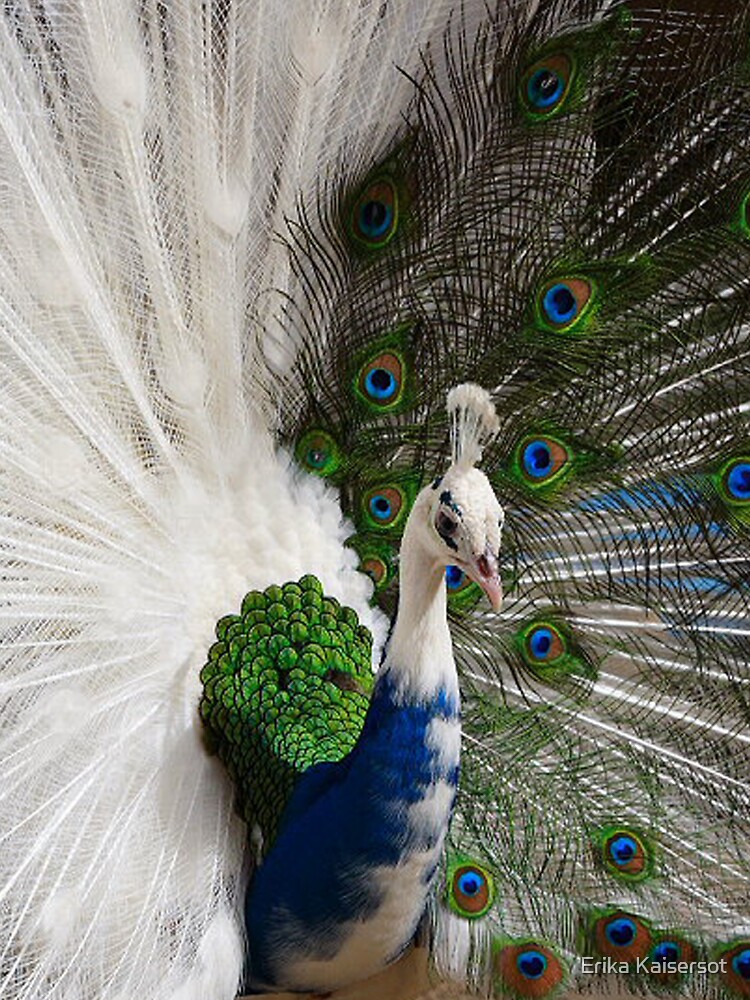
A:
473,422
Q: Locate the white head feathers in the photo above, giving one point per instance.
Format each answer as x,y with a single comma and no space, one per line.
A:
473,423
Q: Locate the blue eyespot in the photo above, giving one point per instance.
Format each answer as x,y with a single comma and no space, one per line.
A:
384,505
454,577
380,384
471,883
542,460
546,84
666,952
621,932
375,218
738,480
380,507
471,891
540,643
543,644
741,964
532,964
623,849
560,304
545,88
537,459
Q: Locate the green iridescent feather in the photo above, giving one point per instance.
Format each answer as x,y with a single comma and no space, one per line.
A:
286,686
632,551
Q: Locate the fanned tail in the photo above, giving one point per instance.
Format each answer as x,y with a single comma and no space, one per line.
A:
565,220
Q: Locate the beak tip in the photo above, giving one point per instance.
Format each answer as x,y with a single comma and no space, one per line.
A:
495,598
494,591
484,570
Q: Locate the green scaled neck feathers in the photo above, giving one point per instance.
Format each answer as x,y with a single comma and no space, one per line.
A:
286,686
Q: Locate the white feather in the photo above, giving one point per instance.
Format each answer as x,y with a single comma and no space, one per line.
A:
149,155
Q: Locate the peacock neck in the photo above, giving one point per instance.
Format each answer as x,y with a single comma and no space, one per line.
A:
419,656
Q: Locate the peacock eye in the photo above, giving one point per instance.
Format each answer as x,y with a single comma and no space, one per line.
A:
384,506
737,480
445,524
562,302
531,963
627,855
380,381
546,84
375,216
471,890
375,568
665,953
528,969
544,643
741,964
735,966
319,453
621,932
542,459
622,936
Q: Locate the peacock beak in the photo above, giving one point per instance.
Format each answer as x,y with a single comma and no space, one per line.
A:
484,570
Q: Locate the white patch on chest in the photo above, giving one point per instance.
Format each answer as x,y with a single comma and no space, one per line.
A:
443,738
373,942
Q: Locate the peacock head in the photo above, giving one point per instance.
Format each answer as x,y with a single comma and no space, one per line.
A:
463,520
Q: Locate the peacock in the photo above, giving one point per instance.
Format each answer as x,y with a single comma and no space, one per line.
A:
375,479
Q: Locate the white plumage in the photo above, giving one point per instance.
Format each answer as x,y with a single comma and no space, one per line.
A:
149,155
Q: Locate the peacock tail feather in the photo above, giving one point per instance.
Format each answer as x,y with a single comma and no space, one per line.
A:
558,219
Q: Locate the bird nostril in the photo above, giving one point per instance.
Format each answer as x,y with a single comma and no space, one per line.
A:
483,566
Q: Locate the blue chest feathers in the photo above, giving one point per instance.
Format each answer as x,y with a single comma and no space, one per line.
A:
342,890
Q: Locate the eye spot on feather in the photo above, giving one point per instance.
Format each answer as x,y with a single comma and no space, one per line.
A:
375,559
737,480
545,644
665,952
735,967
531,963
471,890
545,85
741,964
564,302
374,219
384,506
669,950
622,936
551,652
381,507
527,969
463,592
376,569
621,932
542,459
318,453
380,382
625,853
